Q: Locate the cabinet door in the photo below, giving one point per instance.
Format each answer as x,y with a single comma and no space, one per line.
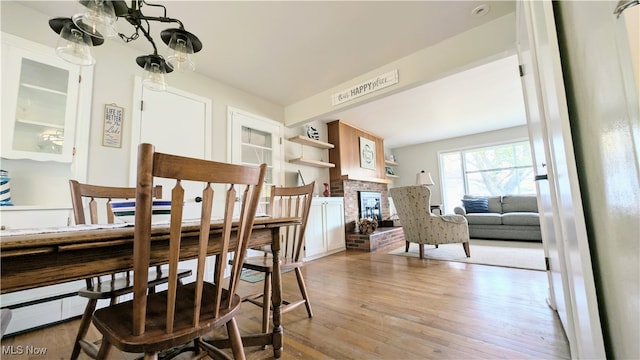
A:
334,224
314,234
39,103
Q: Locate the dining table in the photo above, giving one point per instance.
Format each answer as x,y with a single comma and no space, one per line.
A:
31,258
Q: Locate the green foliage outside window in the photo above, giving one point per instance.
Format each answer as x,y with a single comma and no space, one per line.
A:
505,169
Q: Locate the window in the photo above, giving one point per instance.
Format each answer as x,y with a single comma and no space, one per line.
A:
492,171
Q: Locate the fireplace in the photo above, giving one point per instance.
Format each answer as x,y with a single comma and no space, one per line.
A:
369,205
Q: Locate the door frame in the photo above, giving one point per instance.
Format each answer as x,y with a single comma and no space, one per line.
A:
137,118
278,178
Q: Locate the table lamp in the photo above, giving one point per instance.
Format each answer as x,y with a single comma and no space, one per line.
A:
423,178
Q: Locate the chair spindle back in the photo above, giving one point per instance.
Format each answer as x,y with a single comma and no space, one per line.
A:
292,202
231,182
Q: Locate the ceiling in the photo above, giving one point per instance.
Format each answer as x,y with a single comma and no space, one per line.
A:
287,51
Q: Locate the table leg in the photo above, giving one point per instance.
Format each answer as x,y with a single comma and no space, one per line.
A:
276,293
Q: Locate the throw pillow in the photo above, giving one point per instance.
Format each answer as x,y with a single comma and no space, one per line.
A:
479,205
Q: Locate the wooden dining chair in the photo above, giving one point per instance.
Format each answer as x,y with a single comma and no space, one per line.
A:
184,312
284,202
116,284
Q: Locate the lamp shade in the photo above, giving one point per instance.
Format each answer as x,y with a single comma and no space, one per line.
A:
423,178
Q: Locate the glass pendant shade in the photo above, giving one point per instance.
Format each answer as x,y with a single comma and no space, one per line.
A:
179,53
74,46
95,20
98,19
182,45
154,70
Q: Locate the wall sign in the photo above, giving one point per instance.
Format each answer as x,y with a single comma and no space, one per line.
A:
112,130
369,86
367,154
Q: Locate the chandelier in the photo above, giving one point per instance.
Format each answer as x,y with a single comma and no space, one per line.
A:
97,21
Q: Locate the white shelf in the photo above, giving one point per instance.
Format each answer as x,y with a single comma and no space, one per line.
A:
316,163
40,88
391,163
311,142
392,176
40,123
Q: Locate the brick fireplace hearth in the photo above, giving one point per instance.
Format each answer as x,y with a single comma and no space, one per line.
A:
356,241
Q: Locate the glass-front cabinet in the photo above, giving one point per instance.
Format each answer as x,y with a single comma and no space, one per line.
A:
46,112
40,97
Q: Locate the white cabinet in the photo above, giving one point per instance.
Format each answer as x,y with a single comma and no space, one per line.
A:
40,97
46,116
39,313
23,217
325,228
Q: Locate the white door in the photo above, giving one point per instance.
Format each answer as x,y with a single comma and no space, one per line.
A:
553,134
175,122
537,136
256,140
605,121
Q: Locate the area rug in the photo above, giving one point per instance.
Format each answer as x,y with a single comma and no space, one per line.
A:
514,254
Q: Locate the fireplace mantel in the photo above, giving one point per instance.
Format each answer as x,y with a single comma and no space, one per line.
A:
374,180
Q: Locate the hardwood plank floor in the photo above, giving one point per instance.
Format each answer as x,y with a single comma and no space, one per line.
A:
380,306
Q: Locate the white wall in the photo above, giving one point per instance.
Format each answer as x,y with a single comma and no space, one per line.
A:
412,159
114,75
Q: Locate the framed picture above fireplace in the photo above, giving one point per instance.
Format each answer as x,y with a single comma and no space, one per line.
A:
367,153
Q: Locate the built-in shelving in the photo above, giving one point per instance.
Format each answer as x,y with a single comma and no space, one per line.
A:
306,141
391,163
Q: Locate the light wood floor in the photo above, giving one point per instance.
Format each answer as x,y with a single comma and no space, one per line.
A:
380,306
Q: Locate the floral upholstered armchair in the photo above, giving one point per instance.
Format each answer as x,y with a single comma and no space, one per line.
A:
421,226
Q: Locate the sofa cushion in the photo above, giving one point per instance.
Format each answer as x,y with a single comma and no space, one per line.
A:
495,204
519,203
521,218
484,219
479,205
505,232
